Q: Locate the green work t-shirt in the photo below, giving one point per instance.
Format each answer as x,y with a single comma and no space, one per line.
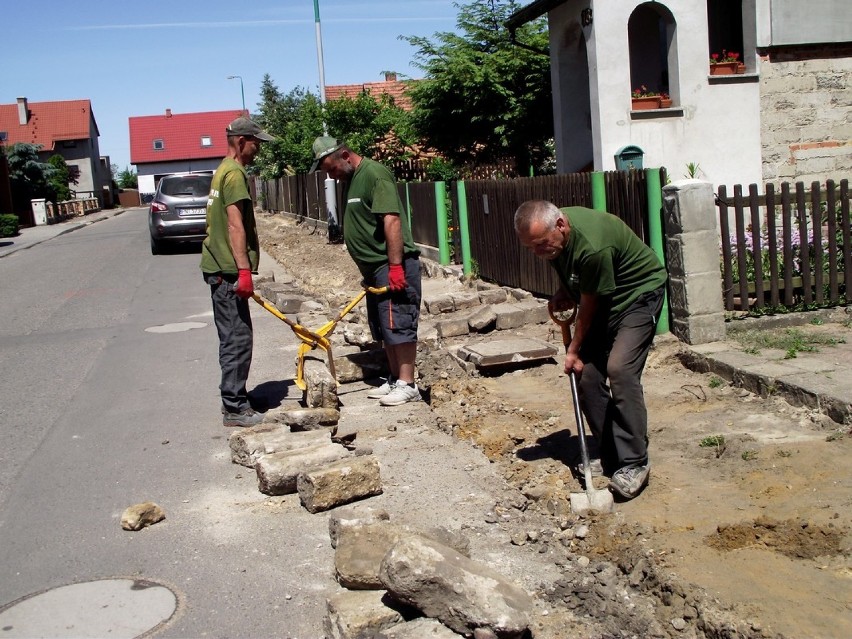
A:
229,186
605,257
371,194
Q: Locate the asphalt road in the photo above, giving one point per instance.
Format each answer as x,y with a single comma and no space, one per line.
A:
99,412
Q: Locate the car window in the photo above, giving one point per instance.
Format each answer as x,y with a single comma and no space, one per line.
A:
186,186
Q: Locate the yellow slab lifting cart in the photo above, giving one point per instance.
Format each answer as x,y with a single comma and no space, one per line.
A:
318,338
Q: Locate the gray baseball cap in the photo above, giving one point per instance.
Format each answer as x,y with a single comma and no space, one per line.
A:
248,128
324,146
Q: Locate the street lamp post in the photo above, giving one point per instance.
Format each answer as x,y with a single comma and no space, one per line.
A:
242,92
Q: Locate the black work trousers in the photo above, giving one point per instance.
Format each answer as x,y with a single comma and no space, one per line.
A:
236,339
610,385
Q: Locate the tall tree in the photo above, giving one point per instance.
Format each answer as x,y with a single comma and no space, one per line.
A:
59,189
295,120
484,97
28,176
373,125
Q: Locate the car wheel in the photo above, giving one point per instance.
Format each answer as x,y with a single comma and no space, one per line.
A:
156,247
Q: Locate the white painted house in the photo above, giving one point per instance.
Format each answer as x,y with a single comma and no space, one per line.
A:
787,115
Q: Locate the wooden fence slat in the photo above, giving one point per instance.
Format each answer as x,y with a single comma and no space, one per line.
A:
831,225
727,264
816,231
847,237
742,257
772,237
804,243
757,248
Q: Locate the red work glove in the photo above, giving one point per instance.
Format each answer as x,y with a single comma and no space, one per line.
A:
396,277
244,287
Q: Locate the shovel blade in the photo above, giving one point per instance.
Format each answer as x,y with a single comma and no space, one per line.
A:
592,502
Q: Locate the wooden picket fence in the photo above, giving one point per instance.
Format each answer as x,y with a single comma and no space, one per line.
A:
787,250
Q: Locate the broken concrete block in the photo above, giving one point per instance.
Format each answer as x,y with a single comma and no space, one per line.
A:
352,364
360,550
509,316
492,296
437,304
460,593
421,628
356,334
270,289
518,294
302,419
277,472
288,302
354,516
482,320
141,515
465,299
358,614
535,310
321,388
452,327
339,483
248,444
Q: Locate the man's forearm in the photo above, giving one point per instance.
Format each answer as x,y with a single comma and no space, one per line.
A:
393,238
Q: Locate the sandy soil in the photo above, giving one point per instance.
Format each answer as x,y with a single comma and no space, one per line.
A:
750,538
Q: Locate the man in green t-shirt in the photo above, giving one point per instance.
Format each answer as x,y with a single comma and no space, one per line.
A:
618,283
378,237
229,255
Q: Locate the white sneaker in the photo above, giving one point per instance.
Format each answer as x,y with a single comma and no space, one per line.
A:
384,389
400,394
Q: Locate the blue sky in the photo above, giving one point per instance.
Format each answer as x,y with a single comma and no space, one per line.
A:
140,58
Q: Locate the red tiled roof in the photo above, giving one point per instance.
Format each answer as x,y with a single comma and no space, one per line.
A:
49,122
181,134
394,88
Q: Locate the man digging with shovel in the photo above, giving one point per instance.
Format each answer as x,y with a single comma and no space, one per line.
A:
617,282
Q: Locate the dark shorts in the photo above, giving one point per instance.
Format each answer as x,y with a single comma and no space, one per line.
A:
393,316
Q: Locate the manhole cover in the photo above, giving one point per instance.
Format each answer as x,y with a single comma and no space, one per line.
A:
107,608
177,327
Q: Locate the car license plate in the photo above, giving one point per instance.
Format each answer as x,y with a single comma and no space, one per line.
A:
192,212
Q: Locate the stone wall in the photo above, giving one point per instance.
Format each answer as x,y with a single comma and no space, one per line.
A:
806,106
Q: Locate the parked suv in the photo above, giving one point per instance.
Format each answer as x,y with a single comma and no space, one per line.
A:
178,210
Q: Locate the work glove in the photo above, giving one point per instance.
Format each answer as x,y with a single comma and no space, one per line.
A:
396,277
244,287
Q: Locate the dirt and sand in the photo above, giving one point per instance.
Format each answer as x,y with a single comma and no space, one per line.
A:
745,538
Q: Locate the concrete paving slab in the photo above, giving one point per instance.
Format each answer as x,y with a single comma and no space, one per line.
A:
506,351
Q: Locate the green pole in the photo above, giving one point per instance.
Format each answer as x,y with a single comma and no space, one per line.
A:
408,205
655,234
441,221
463,227
598,191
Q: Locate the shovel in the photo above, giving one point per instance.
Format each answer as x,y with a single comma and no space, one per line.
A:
593,500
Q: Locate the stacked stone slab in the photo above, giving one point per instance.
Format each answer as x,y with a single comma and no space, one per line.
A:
324,473
427,577
482,309
692,256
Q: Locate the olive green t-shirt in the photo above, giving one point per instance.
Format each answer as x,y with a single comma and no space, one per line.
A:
229,186
605,257
371,194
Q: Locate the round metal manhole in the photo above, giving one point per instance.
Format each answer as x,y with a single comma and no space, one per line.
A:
177,327
115,608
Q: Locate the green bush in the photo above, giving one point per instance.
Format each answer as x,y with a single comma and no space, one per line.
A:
8,225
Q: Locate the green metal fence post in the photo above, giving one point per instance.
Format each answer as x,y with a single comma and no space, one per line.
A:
441,221
598,191
464,231
655,234
408,205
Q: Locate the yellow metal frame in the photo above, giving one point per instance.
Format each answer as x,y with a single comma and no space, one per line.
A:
318,338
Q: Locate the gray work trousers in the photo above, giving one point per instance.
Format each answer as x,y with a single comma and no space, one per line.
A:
236,338
610,385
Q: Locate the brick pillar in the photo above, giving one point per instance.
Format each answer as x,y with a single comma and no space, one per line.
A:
692,254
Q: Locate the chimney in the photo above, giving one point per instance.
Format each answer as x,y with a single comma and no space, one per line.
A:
23,112
168,113
390,76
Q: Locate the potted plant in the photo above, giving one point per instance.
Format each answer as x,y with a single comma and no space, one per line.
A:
665,101
726,63
642,99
